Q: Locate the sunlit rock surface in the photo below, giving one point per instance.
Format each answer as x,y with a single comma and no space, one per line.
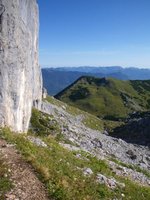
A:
20,75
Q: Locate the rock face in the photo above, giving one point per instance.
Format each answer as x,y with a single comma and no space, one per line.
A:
20,74
136,130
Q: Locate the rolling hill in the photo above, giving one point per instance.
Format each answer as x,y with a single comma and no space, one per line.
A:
107,98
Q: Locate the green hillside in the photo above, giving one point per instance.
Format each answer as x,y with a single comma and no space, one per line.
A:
107,98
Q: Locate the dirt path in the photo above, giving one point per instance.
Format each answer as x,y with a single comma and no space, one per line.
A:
27,185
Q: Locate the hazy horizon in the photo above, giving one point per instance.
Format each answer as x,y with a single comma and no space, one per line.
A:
47,66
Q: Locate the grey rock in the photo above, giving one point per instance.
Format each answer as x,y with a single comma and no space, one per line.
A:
70,147
37,141
87,172
20,74
96,143
105,132
109,182
130,173
131,154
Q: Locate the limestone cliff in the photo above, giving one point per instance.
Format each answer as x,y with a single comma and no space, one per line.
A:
20,75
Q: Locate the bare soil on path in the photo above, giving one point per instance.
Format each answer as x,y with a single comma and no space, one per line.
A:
26,184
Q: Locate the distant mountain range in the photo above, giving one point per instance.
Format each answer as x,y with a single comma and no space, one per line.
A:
108,98
56,79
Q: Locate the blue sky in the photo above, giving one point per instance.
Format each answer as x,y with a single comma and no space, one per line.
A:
95,33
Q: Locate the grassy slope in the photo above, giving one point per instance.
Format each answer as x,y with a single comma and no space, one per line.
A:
110,98
61,170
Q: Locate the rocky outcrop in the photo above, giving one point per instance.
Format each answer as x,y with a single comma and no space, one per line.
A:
136,130
20,75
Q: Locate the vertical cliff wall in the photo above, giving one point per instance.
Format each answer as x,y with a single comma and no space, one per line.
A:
20,75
